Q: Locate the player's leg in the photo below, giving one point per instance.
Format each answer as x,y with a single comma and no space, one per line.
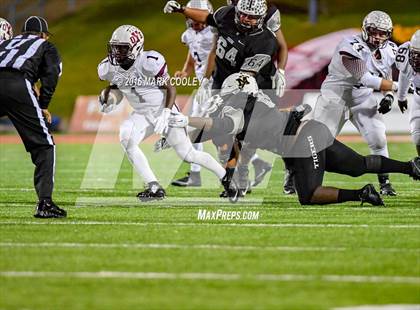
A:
27,117
178,139
369,122
415,122
132,131
342,159
193,177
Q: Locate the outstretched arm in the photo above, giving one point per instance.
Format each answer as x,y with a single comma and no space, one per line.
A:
195,14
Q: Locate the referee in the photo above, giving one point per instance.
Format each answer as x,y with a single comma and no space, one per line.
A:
24,60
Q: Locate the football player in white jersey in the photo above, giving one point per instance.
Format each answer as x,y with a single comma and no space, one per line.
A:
199,39
142,76
6,30
408,63
361,64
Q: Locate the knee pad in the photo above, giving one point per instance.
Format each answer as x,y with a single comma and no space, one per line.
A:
378,144
373,163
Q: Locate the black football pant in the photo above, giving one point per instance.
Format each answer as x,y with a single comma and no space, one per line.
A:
328,154
19,103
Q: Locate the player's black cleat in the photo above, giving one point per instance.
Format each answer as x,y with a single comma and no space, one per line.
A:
231,189
415,168
387,189
261,168
370,195
289,183
192,179
241,178
153,192
48,209
385,185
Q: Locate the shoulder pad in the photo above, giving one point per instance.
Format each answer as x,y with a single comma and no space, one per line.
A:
104,69
153,64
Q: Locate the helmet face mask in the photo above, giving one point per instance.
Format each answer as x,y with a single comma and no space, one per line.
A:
125,45
250,14
377,38
377,29
414,53
414,60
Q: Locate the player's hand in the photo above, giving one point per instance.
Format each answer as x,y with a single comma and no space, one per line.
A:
107,108
161,123
178,120
204,91
47,115
181,74
279,82
213,103
403,105
385,104
172,7
160,145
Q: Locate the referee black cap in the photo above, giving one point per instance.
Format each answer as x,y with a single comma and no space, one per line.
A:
35,24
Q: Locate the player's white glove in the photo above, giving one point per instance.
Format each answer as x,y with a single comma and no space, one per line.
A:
178,120
172,7
161,123
204,91
279,82
104,106
213,104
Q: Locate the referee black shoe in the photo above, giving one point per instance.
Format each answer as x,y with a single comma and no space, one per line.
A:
369,194
48,209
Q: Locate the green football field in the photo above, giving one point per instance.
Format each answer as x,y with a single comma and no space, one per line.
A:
113,252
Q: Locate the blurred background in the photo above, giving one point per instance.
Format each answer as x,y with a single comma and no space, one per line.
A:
81,29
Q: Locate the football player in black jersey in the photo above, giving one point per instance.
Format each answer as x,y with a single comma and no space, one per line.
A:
244,44
246,114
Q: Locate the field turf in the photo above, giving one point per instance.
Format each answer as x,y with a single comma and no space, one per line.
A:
113,252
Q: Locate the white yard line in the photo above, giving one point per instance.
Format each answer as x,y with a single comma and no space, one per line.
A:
215,224
198,246
212,276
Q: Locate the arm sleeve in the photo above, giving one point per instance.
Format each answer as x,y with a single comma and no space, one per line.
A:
49,74
215,19
403,86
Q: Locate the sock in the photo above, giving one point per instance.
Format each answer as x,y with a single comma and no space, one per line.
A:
390,165
348,195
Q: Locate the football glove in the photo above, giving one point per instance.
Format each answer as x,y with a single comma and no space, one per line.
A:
403,105
279,82
385,104
178,120
172,7
161,123
107,108
204,91
161,144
